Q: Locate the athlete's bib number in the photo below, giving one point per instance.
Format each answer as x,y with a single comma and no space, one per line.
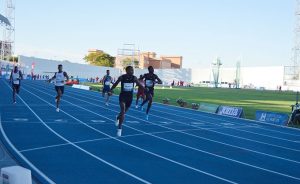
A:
128,86
149,83
60,79
16,81
107,83
59,82
15,77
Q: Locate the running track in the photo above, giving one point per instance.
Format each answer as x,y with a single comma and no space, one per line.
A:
78,145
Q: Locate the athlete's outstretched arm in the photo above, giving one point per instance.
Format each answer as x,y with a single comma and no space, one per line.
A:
138,83
116,83
111,81
158,79
10,78
21,75
52,78
103,79
66,75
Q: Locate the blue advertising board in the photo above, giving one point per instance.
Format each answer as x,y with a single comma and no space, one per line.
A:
231,111
272,117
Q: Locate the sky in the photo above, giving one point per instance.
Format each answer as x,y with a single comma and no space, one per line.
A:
255,32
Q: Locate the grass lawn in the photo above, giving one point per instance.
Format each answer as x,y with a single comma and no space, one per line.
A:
250,100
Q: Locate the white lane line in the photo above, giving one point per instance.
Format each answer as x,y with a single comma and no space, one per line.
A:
250,132
48,122
271,171
196,113
46,178
218,119
235,136
229,124
211,140
198,123
226,134
98,121
133,122
61,120
164,122
243,163
20,119
83,150
100,139
92,93
23,157
131,145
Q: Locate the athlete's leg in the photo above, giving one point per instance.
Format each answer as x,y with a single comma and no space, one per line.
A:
17,88
137,99
149,103
59,93
121,115
125,103
143,97
14,93
146,99
103,92
107,97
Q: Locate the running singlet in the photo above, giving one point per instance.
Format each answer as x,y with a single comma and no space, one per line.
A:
16,77
149,83
107,80
150,79
127,83
59,79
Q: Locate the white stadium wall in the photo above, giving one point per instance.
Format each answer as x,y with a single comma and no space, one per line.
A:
199,75
44,66
87,71
268,77
168,75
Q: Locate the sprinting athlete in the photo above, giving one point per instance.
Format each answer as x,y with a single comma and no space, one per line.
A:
125,98
150,80
140,92
15,79
59,80
106,81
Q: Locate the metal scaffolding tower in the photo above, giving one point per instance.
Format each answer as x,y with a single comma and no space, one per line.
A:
8,40
128,51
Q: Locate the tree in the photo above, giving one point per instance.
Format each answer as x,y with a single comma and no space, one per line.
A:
100,58
127,62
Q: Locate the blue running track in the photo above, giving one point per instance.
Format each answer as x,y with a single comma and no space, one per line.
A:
78,145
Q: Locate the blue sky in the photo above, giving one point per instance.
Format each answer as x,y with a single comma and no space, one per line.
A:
258,31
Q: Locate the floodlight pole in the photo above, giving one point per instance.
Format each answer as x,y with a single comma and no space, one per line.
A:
238,75
296,48
216,70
